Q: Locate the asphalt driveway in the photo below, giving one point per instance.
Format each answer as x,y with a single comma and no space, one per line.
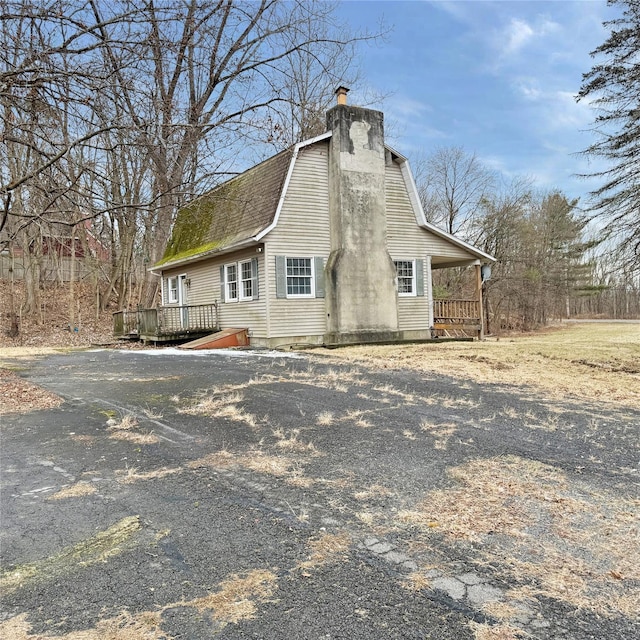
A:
235,495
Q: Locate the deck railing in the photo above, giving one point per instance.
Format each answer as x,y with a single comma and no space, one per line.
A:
456,310
166,321
125,323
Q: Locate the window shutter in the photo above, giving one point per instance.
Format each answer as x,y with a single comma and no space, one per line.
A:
281,277
222,284
254,276
163,290
420,277
318,268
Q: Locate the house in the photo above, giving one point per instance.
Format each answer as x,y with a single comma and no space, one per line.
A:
63,253
324,243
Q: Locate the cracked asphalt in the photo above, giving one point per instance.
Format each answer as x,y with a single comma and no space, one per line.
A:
257,495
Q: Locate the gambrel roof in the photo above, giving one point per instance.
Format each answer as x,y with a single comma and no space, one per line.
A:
241,211
229,214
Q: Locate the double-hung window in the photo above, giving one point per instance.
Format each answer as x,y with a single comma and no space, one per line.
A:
231,282
300,278
239,281
247,278
172,290
406,277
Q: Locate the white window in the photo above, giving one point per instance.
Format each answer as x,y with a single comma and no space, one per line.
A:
172,290
231,282
300,278
406,277
239,281
247,278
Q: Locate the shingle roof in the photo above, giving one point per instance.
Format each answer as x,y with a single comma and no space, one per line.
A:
234,211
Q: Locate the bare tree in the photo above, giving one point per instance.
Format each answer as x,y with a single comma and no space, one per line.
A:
146,103
454,184
205,72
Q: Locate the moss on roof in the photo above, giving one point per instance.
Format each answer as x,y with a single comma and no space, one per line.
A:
234,211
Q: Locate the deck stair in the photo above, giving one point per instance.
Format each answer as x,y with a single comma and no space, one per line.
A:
220,340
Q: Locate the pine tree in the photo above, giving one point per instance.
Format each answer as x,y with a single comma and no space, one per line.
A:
613,85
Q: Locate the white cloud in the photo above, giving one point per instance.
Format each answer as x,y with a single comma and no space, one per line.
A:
529,89
566,112
517,34
520,35
554,110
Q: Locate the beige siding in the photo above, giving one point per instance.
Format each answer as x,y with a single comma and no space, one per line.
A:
402,225
205,289
302,231
406,241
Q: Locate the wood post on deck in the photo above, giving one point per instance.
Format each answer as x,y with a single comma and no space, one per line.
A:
479,298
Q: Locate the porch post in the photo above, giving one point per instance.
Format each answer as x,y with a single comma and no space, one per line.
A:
479,299
429,291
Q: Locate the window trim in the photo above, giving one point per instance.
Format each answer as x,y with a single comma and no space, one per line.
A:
312,278
413,278
227,293
242,280
172,291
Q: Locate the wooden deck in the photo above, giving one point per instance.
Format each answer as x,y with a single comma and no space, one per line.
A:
451,319
457,317
166,324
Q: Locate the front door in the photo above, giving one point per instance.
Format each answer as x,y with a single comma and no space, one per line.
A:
183,301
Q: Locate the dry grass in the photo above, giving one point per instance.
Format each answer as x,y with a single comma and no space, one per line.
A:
143,626
296,478
74,491
418,580
357,417
131,475
223,404
336,379
127,422
373,491
135,437
326,548
386,389
152,414
278,466
441,432
288,441
501,610
258,461
564,540
125,430
483,631
590,361
325,419
235,600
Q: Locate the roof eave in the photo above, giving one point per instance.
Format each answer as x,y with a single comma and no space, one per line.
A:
285,187
422,219
212,253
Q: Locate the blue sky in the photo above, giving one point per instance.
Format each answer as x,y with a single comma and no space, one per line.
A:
497,78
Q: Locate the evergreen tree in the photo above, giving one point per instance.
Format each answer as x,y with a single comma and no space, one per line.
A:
613,85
